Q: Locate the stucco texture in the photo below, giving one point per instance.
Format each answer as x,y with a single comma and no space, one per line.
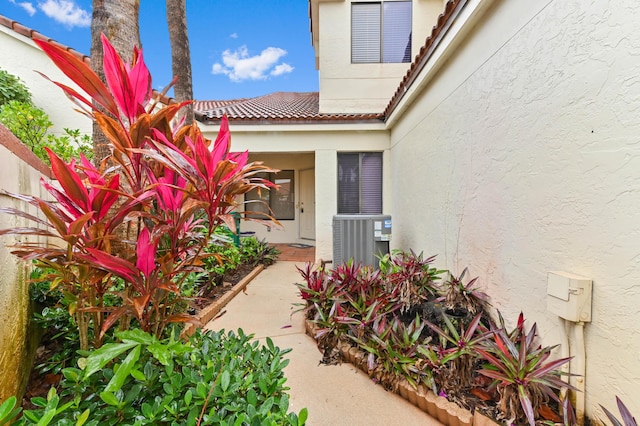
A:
17,340
522,156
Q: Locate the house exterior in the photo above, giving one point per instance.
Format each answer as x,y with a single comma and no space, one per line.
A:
500,135
509,145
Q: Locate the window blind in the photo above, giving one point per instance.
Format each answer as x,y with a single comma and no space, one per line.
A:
348,183
371,183
360,183
365,33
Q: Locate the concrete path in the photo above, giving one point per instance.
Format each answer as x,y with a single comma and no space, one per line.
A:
334,395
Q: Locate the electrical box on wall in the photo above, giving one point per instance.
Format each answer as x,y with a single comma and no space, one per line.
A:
569,296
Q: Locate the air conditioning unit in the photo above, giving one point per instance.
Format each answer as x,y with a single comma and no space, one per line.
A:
361,238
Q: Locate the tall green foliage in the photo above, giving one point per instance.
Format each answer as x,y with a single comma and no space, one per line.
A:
12,89
31,124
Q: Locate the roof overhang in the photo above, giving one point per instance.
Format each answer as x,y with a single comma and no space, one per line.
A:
314,27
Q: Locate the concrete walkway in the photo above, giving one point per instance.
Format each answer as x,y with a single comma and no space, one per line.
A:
334,395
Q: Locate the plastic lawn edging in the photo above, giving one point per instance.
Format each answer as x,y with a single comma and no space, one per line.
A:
211,310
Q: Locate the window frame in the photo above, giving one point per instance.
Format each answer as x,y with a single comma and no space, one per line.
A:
343,192
269,197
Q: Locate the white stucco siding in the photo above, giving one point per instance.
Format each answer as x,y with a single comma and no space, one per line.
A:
20,56
522,156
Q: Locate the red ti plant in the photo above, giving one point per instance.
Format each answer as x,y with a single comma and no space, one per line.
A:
160,195
522,372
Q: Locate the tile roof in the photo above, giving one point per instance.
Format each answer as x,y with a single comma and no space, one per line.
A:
282,107
444,21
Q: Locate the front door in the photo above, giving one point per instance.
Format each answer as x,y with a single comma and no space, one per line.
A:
308,204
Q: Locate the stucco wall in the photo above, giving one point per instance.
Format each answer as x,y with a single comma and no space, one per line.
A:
522,156
16,344
20,56
357,88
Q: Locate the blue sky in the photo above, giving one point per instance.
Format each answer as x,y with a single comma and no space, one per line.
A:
239,48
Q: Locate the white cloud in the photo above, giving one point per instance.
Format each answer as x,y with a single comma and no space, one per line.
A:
66,12
27,6
280,69
239,66
234,35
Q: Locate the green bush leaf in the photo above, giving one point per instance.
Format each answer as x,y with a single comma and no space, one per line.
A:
8,410
123,371
302,417
138,375
225,380
82,419
136,335
107,353
109,398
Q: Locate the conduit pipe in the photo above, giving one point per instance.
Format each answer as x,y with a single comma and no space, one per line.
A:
565,353
579,369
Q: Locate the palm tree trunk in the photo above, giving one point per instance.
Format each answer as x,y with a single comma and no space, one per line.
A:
118,21
180,55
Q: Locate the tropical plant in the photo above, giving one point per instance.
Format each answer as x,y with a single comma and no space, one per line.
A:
523,374
457,354
12,89
627,417
9,410
258,252
145,221
409,277
459,295
214,378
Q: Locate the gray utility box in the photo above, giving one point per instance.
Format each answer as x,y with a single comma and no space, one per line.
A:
360,237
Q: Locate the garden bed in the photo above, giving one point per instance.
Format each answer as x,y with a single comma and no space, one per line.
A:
433,341
206,310
438,407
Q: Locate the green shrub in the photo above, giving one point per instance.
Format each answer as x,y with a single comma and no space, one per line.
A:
258,252
26,121
214,378
30,124
12,89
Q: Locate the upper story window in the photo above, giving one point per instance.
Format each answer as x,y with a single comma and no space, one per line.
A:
360,183
381,32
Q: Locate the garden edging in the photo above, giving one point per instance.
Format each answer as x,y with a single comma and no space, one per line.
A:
438,407
210,311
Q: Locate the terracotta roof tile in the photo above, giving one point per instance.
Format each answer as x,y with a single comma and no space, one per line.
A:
418,64
275,107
